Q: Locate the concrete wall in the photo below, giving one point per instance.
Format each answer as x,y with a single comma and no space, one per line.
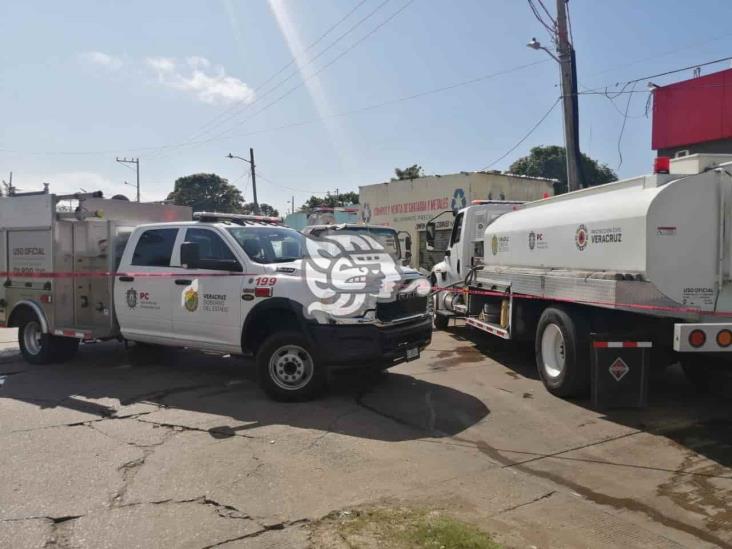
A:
407,205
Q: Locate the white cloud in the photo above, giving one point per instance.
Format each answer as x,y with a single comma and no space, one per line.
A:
162,65
197,75
101,59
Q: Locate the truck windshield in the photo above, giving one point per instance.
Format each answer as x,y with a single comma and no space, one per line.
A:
269,244
386,237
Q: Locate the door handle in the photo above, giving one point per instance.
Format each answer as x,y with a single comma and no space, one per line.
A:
183,282
126,278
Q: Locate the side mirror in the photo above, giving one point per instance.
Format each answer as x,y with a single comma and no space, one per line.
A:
430,234
447,253
407,252
190,255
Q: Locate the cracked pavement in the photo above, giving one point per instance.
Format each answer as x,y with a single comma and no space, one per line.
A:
181,449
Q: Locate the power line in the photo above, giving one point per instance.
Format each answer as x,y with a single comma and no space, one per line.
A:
525,137
622,129
661,54
242,106
548,13
314,74
373,106
289,188
399,99
283,68
539,18
350,112
660,74
569,22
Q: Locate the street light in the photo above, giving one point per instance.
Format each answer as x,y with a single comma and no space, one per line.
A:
567,70
536,45
254,176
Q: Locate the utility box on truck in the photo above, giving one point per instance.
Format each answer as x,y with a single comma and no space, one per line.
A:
58,255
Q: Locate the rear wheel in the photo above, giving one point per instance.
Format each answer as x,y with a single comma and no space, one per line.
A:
562,354
289,368
39,348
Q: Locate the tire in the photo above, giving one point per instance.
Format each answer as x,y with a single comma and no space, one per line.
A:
441,322
39,348
288,367
562,353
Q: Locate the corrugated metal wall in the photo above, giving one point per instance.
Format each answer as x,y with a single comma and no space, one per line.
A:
693,111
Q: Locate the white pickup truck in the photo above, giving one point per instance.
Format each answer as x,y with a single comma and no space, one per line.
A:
224,283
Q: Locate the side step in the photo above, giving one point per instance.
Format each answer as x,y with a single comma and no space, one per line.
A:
493,329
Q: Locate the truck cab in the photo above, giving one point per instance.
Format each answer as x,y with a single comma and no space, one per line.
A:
464,250
239,284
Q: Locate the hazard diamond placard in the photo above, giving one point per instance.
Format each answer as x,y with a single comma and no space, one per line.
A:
618,369
619,372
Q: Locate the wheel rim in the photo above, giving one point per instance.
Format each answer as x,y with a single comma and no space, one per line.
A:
291,367
553,351
32,335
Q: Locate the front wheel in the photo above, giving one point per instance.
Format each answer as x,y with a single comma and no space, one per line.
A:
289,368
562,354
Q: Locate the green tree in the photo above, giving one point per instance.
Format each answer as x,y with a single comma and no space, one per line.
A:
330,201
412,172
207,192
551,162
264,209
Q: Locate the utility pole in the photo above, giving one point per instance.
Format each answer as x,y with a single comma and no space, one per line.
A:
293,204
136,162
568,69
254,180
9,191
254,175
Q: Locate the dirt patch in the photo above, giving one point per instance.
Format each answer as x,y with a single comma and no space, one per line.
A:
399,528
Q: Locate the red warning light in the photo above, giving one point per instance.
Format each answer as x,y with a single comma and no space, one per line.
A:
662,164
262,292
697,338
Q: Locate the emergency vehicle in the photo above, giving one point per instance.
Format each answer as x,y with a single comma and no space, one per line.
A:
649,256
104,269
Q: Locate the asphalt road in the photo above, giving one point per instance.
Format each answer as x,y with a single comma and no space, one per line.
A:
180,449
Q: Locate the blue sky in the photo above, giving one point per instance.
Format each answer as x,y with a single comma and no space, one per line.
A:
82,82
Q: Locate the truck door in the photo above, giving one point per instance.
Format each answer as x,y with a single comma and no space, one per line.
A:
142,288
453,256
207,303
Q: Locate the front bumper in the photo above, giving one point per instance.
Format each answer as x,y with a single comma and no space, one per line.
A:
346,346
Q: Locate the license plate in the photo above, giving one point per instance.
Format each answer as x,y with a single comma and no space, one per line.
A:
413,353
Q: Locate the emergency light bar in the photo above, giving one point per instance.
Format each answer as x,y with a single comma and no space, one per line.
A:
479,202
235,218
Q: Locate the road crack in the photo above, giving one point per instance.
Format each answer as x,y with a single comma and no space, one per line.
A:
265,528
524,504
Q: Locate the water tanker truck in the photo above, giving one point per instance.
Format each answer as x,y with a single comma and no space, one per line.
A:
647,257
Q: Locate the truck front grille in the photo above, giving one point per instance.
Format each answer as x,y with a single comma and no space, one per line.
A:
401,308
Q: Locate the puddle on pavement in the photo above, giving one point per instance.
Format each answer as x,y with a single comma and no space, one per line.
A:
456,357
699,486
